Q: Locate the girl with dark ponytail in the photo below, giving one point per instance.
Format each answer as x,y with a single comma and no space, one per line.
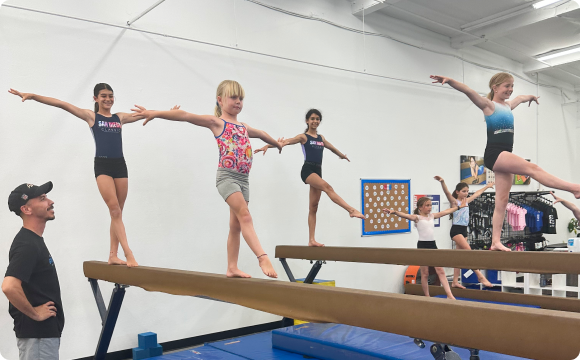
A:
110,168
313,145
460,218
425,223
497,110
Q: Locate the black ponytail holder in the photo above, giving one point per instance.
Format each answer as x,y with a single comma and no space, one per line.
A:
217,104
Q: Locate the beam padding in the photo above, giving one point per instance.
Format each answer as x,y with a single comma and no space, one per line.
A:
531,333
545,302
523,261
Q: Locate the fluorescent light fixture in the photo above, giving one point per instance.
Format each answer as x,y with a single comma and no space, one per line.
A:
558,53
544,3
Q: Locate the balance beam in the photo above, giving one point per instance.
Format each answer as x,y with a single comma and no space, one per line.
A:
523,261
545,302
531,333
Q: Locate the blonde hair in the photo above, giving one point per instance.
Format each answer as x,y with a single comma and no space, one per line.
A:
420,203
496,80
227,88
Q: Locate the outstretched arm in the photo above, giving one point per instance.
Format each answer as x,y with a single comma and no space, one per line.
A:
479,192
300,138
331,147
83,114
450,210
412,217
523,99
127,118
262,135
448,194
208,121
479,101
575,210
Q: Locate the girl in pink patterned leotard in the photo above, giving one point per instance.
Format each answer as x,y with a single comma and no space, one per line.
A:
235,162
235,148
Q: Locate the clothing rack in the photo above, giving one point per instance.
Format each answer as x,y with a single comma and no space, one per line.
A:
481,214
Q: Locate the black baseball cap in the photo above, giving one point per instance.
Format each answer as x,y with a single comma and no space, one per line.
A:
20,196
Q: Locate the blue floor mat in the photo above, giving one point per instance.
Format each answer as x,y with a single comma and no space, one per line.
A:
199,353
491,302
255,347
344,342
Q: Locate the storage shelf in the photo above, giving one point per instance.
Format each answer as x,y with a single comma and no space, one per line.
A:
531,284
516,286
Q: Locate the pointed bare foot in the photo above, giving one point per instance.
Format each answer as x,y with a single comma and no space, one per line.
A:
577,193
499,247
356,213
131,262
315,243
485,282
267,267
451,297
114,260
457,285
236,273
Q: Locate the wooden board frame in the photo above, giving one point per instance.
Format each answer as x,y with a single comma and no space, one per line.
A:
530,333
381,197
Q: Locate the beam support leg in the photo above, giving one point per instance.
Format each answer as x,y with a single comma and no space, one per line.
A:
99,299
313,272
109,321
287,269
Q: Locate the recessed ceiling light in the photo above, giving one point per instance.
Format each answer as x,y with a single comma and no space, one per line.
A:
559,53
544,3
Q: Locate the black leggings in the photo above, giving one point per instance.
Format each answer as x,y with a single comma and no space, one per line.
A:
115,168
310,168
492,151
421,244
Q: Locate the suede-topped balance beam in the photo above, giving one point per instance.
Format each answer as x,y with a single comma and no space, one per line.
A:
523,261
545,302
530,333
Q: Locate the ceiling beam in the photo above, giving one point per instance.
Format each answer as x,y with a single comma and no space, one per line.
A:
500,24
130,22
568,55
370,6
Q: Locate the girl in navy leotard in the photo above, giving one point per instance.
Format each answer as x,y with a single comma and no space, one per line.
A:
110,168
313,145
500,138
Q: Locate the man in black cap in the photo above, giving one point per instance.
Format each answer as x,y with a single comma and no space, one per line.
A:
31,283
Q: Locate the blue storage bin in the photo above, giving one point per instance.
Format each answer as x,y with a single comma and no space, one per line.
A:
493,276
471,279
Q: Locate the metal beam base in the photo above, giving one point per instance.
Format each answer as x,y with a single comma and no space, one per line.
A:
443,352
313,272
109,319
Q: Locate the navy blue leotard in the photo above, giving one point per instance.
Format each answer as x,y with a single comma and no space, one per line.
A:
312,149
107,134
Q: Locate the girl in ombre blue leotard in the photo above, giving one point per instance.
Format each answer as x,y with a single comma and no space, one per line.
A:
497,108
500,133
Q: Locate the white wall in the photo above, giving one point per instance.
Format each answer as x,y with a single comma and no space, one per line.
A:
174,217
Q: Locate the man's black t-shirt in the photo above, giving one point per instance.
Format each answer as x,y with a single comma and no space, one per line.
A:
31,263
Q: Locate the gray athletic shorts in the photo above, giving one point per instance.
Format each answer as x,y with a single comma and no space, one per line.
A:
38,349
229,182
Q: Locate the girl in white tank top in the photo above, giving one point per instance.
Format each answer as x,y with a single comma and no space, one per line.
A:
424,222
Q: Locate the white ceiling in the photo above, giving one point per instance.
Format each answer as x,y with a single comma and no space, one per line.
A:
511,28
